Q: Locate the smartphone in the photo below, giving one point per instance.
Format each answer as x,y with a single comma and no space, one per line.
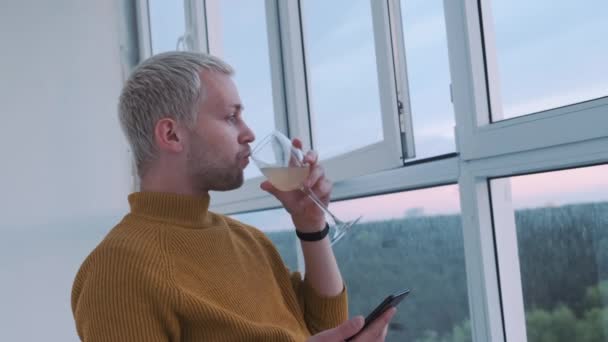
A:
389,302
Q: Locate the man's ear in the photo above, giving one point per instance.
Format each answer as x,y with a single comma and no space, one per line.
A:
169,135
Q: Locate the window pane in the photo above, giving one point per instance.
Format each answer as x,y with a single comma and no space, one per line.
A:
167,24
245,47
550,54
408,240
276,223
428,74
341,63
561,220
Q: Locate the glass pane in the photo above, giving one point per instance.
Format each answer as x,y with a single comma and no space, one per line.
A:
341,64
245,47
167,24
562,219
549,53
428,72
277,225
408,240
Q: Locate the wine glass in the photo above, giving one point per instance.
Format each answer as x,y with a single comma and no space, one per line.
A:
283,166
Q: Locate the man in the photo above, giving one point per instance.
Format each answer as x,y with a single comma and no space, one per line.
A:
173,271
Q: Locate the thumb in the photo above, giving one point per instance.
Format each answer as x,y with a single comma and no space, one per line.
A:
268,187
341,332
271,189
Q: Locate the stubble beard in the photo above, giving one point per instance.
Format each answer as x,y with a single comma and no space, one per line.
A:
207,173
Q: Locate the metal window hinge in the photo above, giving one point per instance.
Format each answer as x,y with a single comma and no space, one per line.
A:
401,112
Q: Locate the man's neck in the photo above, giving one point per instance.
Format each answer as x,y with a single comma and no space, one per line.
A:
169,183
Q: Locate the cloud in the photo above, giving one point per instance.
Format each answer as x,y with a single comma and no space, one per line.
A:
556,100
324,31
424,33
554,69
436,129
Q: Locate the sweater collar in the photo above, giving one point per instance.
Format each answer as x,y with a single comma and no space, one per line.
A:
172,208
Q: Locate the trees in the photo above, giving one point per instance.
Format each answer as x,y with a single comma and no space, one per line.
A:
563,260
557,325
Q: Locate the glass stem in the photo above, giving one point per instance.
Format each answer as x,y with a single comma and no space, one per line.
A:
316,199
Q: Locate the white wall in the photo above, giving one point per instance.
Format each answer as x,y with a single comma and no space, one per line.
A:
65,170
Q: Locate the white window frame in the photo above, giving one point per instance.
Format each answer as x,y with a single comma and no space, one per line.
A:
194,38
404,108
144,40
565,137
389,153
196,25
495,294
478,136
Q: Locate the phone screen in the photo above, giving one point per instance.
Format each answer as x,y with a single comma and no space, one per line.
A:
389,302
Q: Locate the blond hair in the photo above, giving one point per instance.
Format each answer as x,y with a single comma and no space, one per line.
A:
166,85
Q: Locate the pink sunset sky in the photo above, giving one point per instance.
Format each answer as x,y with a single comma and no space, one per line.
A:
588,184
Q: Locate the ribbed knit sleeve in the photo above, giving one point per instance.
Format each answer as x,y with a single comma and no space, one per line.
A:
123,293
320,312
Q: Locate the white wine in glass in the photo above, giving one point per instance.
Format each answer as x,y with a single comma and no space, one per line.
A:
283,166
286,178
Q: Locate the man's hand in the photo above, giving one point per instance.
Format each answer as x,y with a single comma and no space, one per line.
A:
374,332
306,215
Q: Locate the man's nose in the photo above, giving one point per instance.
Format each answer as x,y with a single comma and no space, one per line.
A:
247,136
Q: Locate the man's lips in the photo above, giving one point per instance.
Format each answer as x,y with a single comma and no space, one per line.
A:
245,158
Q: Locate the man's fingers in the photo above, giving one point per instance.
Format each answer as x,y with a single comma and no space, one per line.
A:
316,173
350,327
311,157
376,330
297,143
323,190
296,161
384,333
268,187
385,318
341,332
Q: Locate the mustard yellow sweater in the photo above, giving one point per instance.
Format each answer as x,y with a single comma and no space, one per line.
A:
172,271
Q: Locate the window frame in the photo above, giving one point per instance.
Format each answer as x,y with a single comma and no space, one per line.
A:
497,305
474,70
194,38
390,152
573,137
144,41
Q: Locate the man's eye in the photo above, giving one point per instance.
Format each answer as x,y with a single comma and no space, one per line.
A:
231,118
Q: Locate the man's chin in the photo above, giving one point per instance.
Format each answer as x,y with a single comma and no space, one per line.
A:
228,186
